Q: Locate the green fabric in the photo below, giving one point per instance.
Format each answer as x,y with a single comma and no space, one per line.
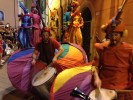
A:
66,50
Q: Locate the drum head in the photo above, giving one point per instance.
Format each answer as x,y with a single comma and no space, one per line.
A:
43,76
103,94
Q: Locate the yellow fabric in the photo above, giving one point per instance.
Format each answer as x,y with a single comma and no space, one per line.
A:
75,54
67,74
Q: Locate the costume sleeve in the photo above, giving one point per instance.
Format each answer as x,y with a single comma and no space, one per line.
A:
37,47
55,43
131,64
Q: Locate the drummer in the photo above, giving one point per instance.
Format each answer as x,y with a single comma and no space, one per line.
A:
45,49
116,60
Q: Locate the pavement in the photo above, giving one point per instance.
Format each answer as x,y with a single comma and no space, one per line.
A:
5,84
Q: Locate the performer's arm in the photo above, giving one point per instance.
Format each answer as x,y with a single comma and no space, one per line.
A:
97,81
34,57
101,46
60,51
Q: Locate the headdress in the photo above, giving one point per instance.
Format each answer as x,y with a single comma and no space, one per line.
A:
115,26
46,29
75,4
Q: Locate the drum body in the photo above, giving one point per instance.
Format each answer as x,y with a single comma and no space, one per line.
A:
103,94
43,80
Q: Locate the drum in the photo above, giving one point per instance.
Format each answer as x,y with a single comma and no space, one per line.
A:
43,80
68,79
103,94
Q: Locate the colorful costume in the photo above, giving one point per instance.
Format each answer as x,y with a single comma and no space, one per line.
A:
53,25
67,19
116,61
24,30
36,27
75,35
66,24
117,66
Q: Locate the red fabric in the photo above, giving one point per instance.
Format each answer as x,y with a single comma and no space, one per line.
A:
38,67
115,65
36,21
118,28
36,36
125,96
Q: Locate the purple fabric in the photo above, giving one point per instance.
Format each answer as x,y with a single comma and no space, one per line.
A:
82,80
18,72
26,76
85,87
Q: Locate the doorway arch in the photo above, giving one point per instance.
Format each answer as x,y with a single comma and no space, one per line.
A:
86,30
1,16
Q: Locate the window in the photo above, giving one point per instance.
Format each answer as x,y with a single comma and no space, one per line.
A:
1,16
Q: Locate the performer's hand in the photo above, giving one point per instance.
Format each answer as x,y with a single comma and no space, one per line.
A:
54,59
97,82
33,62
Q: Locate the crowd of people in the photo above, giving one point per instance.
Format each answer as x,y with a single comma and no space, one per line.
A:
7,40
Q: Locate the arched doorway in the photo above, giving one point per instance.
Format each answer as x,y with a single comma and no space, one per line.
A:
1,16
87,17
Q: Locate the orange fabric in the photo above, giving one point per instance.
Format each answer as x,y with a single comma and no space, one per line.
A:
117,28
72,59
74,32
120,28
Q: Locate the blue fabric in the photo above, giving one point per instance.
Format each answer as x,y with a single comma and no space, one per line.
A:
23,37
20,54
26,21
66,18
24,32
66,50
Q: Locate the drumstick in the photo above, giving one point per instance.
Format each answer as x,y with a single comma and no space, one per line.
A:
99,95
50,64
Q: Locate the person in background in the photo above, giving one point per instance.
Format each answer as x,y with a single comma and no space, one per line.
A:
54,24
36,27
66,23
1,50
25,28
74,33
115,62
45,50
